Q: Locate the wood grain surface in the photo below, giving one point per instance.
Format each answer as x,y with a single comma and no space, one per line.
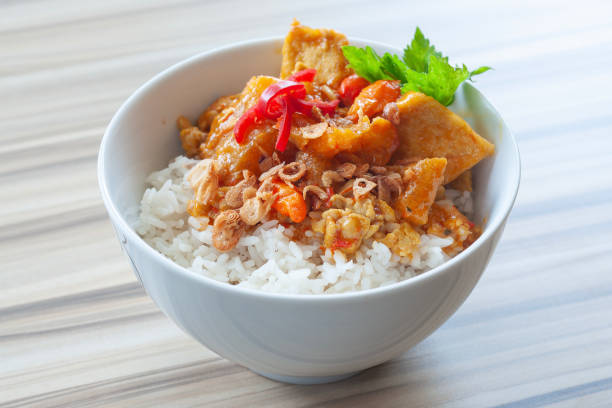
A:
76,329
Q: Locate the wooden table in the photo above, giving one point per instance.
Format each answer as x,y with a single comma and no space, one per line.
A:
76,329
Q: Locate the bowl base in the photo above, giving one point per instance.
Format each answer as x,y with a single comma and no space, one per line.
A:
306,380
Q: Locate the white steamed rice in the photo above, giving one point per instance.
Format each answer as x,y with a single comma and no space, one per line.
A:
267,259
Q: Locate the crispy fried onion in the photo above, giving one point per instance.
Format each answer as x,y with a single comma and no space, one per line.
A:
254,210
389,187
329,177
204,181
227,229
257,203
346,170
361,170
378,169
317,195
234,196
265,190
362,187
271,172
316,191
314,131
292,172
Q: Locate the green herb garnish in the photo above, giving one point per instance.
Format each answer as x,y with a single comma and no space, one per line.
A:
422,69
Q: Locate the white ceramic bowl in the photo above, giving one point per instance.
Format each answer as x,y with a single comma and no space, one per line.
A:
292,338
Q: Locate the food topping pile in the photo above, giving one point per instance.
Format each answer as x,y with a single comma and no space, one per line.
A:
345,146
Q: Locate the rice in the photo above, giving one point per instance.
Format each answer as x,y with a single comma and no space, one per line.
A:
267,259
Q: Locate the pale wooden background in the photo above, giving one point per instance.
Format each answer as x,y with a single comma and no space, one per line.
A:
76,329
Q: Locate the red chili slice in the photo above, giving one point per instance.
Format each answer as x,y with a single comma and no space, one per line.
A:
269,104
305,75
244,124
279,101
284,129
305,107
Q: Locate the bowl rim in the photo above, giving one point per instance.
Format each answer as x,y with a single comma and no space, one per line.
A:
133,237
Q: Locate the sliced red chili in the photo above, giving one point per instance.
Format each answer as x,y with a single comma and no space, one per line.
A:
278,102
284,129
269,104
305,107
244,124
305,75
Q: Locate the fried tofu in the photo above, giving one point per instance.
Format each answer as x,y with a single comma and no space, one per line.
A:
429,129
221,144
372,142
320,49
447,221
421,182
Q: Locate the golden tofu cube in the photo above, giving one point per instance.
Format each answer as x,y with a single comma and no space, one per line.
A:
429,129
320,49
